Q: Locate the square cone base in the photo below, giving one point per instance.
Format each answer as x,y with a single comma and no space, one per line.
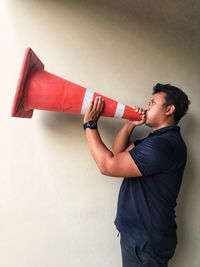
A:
31,63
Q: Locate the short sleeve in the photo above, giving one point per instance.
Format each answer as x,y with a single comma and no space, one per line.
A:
152,155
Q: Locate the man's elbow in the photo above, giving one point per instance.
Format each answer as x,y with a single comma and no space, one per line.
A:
105,168
105,165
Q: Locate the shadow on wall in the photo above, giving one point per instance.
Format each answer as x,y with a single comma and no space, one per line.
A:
71,125
58,121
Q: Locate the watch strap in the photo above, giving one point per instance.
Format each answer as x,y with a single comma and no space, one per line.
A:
90,125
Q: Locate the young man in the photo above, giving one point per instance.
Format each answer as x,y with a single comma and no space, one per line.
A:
153,168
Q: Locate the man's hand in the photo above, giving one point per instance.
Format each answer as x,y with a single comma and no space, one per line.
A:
143,120
94,110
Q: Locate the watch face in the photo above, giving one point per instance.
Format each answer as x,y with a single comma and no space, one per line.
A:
91,125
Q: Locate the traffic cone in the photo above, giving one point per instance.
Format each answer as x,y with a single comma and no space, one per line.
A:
39,89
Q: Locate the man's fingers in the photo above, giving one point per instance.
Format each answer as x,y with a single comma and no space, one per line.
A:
98,104
95,104
139,110
102,105
91,106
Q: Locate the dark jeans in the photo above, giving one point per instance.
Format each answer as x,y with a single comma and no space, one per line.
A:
142,256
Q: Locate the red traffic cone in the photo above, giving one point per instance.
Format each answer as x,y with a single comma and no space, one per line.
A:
39,89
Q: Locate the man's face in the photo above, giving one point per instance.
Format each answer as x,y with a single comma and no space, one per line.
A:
155,114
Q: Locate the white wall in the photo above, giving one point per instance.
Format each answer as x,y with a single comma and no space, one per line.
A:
56,209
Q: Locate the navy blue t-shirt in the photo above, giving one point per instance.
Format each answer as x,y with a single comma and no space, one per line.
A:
146,205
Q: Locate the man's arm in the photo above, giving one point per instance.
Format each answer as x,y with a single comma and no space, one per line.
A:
118,165
121,142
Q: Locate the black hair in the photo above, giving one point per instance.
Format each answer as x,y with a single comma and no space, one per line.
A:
174,96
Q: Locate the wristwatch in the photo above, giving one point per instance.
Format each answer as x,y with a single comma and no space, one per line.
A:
90,125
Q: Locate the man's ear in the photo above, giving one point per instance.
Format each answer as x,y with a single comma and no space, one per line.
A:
170,110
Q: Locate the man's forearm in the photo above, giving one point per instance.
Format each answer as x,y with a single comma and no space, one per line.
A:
99,151
121,141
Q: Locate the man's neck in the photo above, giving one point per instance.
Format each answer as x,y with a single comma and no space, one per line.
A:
162,126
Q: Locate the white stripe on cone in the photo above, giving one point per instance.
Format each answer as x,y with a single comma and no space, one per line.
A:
88,97
119,110
86,101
